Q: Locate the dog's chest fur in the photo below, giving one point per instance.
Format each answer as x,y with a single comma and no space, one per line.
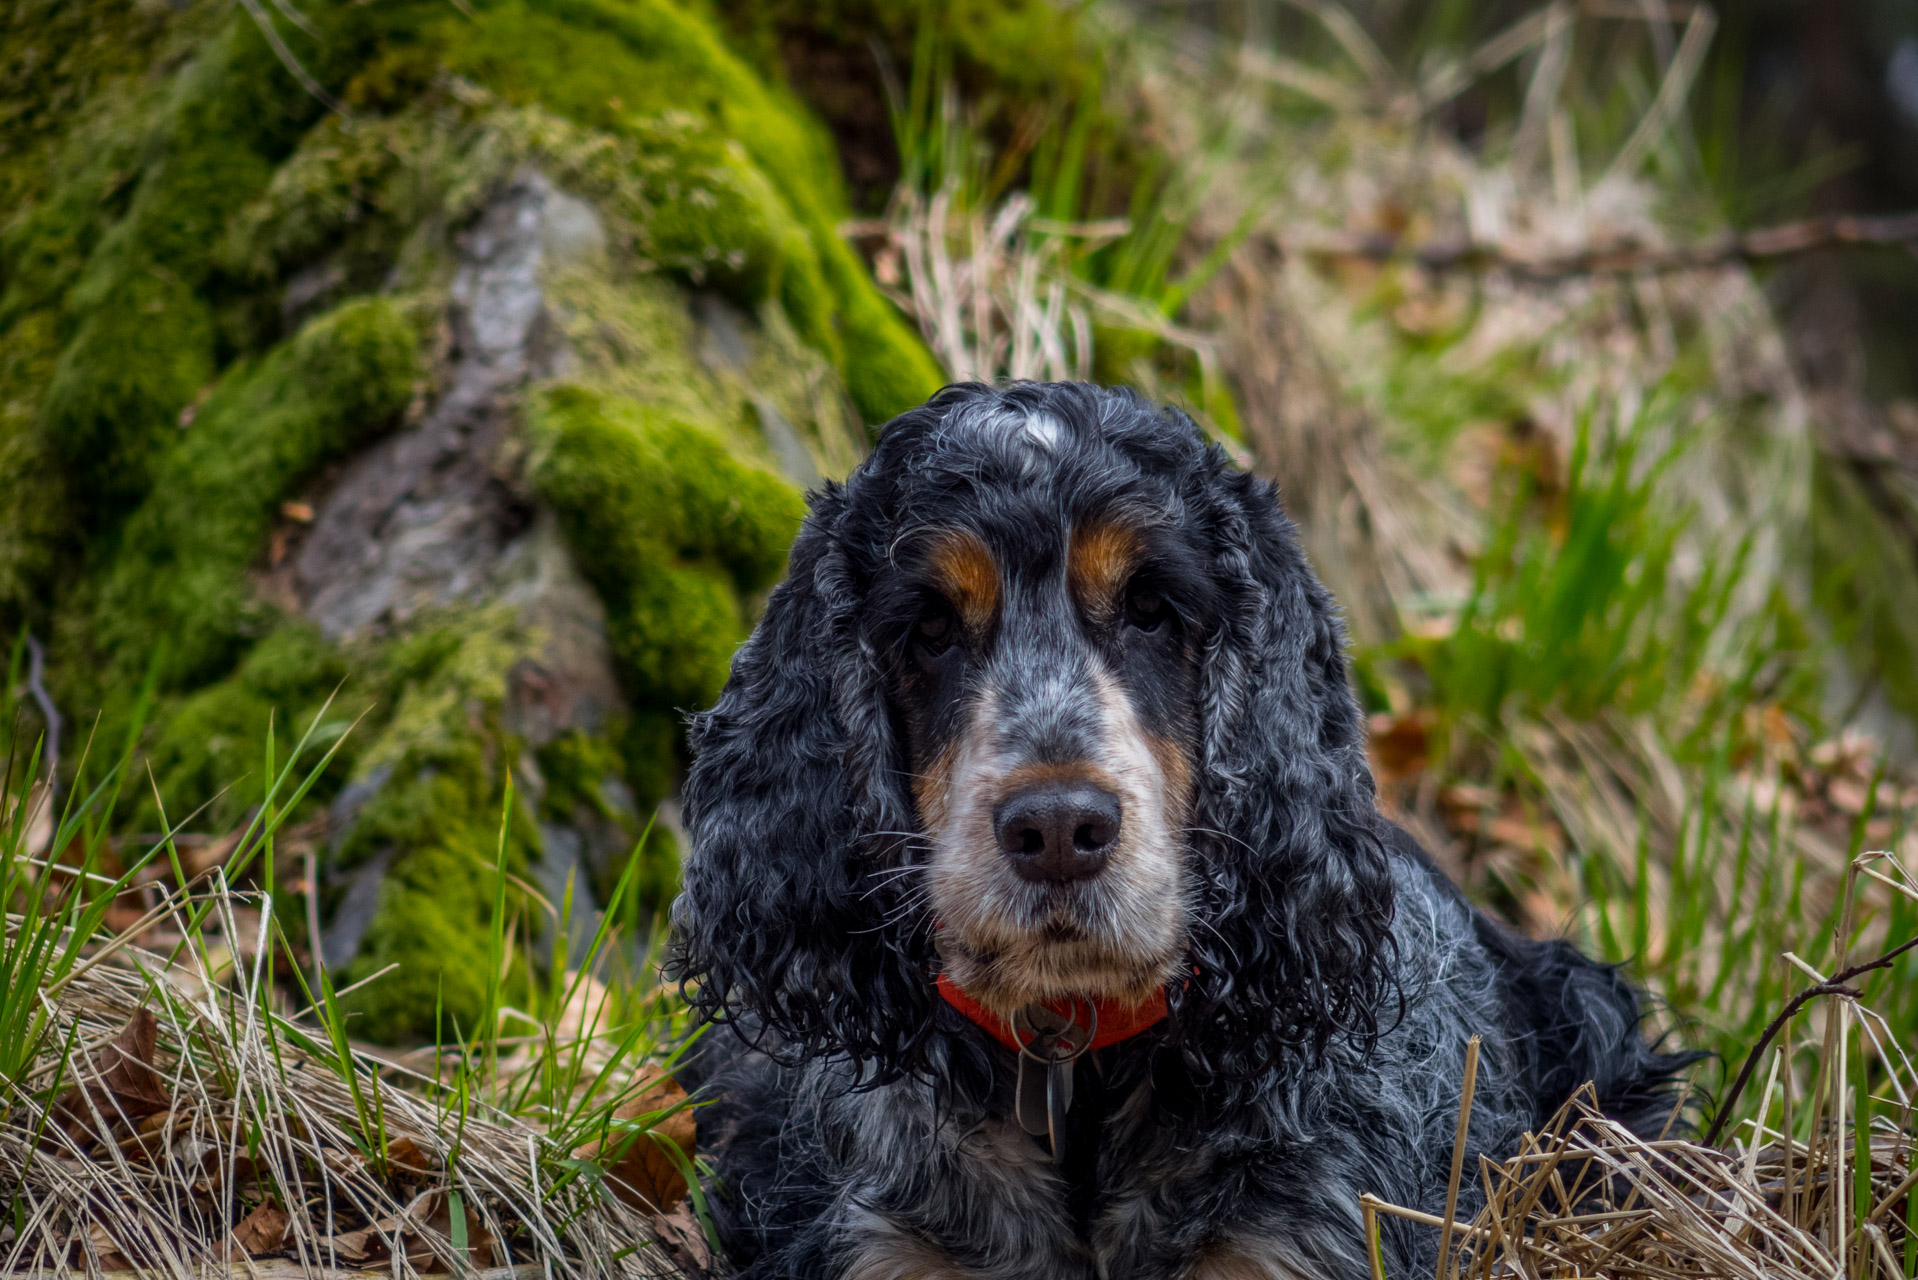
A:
986,1203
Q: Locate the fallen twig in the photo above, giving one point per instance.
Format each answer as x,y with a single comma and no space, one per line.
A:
1835,986
1891,230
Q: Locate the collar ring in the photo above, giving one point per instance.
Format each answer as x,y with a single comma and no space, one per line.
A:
1022,1023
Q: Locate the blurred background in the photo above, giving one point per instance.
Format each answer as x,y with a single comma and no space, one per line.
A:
424,392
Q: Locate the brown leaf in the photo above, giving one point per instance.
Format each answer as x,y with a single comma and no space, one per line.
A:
157,1133
430,1215
682,1237
126,1084
208,854
127,1070
362,1246
1462,806
103,1247
644,1174
1400,745
405,1155
262,1231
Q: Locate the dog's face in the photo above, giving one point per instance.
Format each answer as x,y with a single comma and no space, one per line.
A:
1050,700
1044,672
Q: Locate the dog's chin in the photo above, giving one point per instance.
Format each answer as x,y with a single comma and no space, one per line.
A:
1057,961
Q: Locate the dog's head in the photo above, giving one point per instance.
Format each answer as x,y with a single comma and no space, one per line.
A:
1050,699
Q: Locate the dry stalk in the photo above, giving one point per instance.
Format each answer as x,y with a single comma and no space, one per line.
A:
994,291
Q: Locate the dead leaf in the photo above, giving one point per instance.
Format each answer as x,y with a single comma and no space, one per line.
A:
645,1175
405,1155
211,853
1463,807
1400,745
429,1216
1777,726
104,1248
344,1164
362,1246
153,1134
126,1084
682,1237
262,1231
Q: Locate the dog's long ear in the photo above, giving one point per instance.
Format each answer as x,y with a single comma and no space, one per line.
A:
780,924
1293,880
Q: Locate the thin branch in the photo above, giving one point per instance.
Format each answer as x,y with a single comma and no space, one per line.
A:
1836,986
36,686
1890,230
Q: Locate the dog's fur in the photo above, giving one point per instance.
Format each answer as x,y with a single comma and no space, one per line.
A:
1047,582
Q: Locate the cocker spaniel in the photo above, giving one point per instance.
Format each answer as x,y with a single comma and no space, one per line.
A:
1037,881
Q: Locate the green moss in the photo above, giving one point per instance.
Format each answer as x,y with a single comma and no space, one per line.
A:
638,339
269,424
143,336
213,739
58,59
575,767
671,530
579,770
439,762
445,682
34,514
122,381
435,905
368,183
750,193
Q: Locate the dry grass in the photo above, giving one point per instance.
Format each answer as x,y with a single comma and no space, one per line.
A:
994,292
171,1109
1819,1182
1589,1198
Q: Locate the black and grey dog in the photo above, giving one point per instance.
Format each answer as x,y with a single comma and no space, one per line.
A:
1049,727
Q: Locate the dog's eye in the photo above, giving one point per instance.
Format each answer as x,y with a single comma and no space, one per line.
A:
1145,608
936,630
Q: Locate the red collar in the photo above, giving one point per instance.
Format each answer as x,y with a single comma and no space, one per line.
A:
1116,1021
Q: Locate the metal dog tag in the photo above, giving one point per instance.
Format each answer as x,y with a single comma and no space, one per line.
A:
1043,1093
1045,1090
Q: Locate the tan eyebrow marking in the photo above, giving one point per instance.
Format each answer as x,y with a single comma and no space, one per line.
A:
965,570
1102,557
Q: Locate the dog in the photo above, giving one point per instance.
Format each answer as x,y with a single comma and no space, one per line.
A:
1038,897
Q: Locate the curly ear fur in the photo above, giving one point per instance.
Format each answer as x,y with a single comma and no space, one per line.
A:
1294,887
779,925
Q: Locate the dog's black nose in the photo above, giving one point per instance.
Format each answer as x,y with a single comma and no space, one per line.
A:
1058,832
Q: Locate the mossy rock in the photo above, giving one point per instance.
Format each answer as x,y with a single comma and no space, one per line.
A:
180,570
217,296
670,527
744,159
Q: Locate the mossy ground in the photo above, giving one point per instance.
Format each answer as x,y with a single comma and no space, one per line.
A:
214,291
